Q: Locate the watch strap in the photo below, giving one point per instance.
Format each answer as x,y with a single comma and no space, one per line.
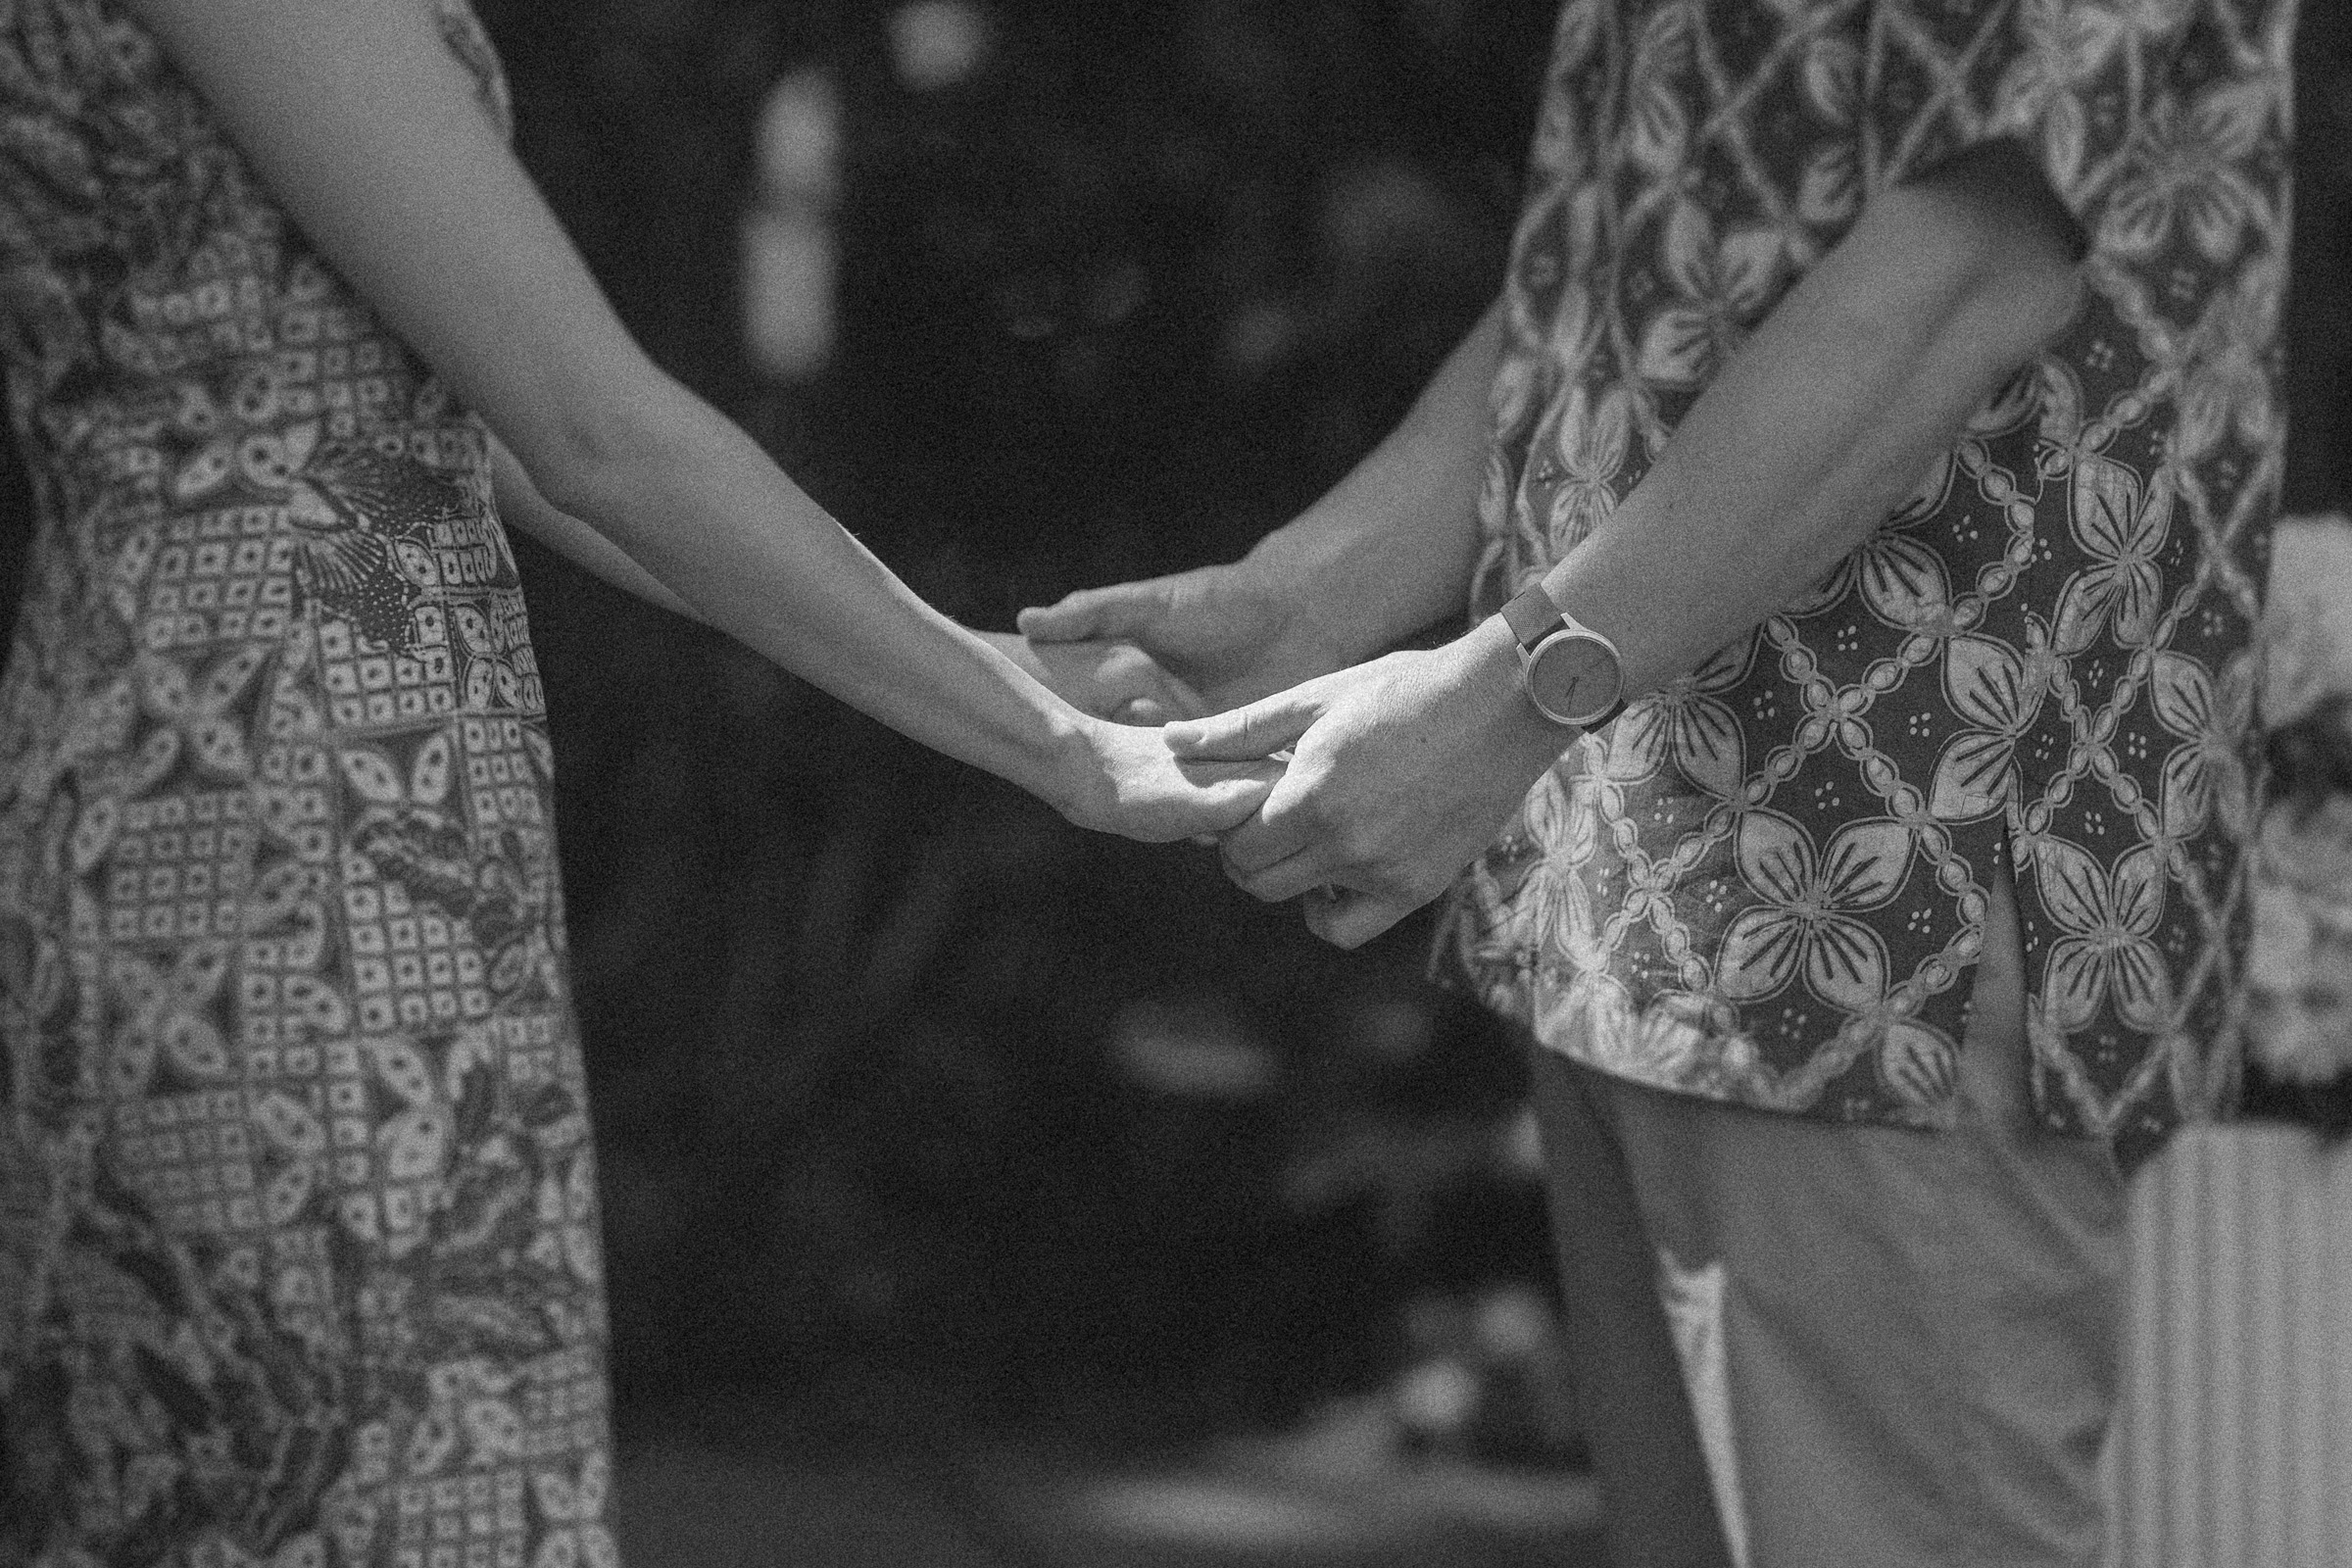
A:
1532,616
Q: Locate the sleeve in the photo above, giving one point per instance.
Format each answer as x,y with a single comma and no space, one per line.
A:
2155,121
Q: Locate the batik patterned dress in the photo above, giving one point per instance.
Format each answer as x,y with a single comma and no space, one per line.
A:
299,1258
1767,883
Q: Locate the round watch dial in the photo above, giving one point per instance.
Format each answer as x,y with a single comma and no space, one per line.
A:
1573,678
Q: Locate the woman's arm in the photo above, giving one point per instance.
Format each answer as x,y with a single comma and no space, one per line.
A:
370,133
521,505
1112,680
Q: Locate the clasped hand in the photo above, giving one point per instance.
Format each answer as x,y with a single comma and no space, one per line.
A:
1401,770
1133,782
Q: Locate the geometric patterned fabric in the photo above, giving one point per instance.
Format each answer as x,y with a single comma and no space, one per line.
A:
1767,882
299,1257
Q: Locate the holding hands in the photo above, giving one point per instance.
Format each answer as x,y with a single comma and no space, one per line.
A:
1399,771
1127,780
1130,781
1228,634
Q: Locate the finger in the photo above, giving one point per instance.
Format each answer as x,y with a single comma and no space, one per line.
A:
1142,711
1266,840
1121,609
1312,868
1178,700
1123,667
1229,796
1202,772
1348,919
1261,729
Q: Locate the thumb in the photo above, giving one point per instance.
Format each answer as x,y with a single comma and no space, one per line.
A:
1122,611
1349,919
1261,729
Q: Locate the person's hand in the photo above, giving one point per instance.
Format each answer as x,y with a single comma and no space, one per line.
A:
1230,633
1112,680
1129,782
1401,770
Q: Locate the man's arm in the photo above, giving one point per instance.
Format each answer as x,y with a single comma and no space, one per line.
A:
1382,554
1406,767
1825,419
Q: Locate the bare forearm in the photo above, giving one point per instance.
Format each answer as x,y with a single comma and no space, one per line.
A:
1388,549
1403,768
1818,426
697,506
521,505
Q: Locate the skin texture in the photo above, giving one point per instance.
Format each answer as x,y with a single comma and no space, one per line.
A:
1404,767
369,133
1112,680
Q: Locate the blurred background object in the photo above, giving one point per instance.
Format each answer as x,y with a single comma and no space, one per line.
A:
2300,1065
979,1192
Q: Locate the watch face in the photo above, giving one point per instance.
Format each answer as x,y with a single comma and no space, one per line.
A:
1574,678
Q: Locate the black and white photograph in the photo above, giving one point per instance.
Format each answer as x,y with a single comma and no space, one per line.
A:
1188,784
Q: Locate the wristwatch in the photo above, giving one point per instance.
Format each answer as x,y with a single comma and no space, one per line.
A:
1571,672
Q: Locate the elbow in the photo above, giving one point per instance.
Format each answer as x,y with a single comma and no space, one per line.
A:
1970,295
1997,192
2023,304
2018,252
593,450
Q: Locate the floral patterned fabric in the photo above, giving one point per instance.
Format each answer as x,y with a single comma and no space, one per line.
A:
298,1229
1767,883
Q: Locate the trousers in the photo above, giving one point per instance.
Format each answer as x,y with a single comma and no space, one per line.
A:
1799,1344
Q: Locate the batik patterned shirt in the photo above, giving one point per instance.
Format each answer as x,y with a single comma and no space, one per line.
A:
1767,883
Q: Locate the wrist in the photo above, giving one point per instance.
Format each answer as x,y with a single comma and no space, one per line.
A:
1488,682
1079,778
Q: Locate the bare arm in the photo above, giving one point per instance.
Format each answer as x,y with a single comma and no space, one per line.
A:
521,505
1407,767
1864,374
1388,549
1382,554
1110,680
370,132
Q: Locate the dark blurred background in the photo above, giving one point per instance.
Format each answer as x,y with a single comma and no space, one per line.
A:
900,1077
928,1124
